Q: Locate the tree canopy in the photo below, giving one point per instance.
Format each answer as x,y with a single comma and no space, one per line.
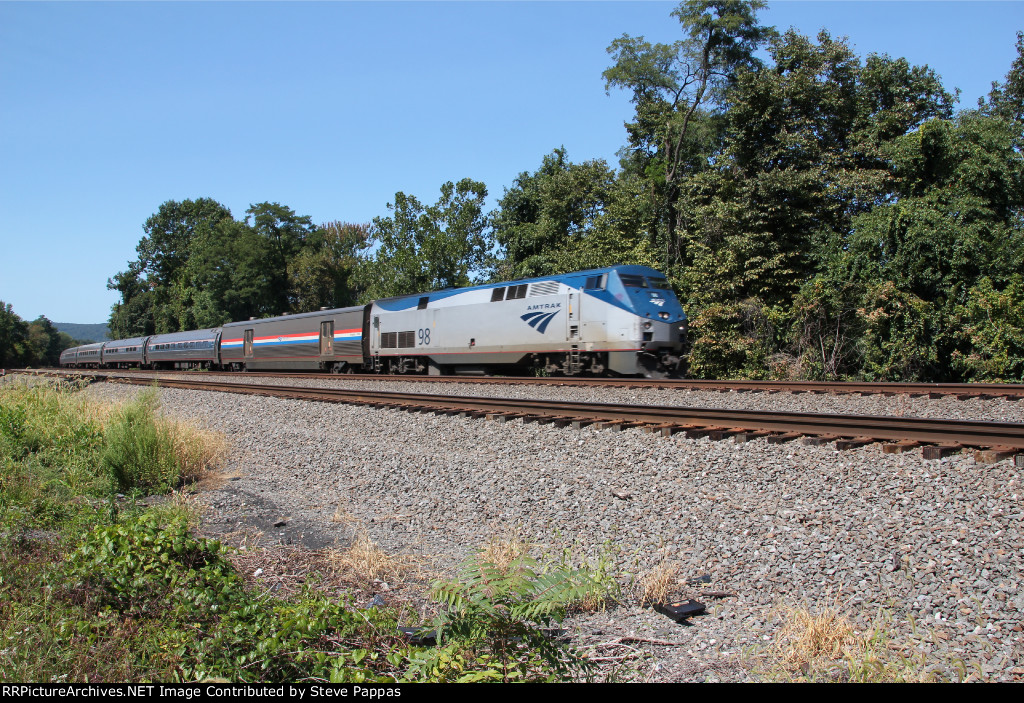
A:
820,213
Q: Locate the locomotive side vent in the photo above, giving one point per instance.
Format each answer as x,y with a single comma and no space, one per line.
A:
516,292
388,340
407,340
543,288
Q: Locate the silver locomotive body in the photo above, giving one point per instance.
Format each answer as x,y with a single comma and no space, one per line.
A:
623,319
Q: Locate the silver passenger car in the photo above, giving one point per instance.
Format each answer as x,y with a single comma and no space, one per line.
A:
328,340
183,350
68,356
125,353
89,355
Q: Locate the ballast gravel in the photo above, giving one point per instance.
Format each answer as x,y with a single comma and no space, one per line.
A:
930,550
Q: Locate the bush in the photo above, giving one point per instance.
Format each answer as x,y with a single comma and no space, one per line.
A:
991,323
494,628
142,450
138,452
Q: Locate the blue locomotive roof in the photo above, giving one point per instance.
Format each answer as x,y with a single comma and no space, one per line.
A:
574,280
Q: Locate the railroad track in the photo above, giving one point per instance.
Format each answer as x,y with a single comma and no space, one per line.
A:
961,391
992,441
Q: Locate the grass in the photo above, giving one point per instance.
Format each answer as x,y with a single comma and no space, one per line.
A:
142,450
822,645
659,584
367,565
95,585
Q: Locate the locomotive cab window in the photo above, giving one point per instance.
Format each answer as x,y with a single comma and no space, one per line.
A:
596,282
631,281
423,303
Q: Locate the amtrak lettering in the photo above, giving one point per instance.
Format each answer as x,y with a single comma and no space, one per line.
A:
543,306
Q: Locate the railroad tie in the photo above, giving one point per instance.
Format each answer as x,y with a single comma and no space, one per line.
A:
899,447
939,451
656,429
741,437
844,444
784,437
993,454
818,440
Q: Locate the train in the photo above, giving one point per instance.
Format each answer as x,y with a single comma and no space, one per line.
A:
620,320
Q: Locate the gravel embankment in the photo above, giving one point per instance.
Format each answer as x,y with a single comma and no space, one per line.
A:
939,544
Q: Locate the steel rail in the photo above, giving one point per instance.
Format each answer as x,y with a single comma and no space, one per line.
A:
969,433
1012,391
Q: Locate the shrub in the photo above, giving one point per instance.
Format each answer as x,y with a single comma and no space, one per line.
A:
139,564
142,450
493,629
138,452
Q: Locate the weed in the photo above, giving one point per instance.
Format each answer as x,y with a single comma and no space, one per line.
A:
365,563
493,628
658,584
822,645
506,548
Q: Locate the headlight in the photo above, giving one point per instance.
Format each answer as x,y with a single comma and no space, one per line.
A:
647,325
663,315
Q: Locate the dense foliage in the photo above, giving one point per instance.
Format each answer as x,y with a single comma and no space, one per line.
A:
95,585
30,344
822,215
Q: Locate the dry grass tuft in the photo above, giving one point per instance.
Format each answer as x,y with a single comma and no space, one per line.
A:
197,451
505,548
825,646
659,584
366,564
807,637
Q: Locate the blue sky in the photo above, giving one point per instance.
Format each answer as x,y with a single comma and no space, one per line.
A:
109,109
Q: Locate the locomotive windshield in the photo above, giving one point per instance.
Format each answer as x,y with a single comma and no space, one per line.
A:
634,281
631,281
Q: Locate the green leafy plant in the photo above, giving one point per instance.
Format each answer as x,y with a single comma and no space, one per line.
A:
494,628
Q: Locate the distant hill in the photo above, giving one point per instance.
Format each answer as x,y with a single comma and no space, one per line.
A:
86,333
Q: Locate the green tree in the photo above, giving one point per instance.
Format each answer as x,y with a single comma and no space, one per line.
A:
1006,100
549,212
154,291
283,234
805,151
421,248
955,221
170,232
323,274
674,86
991,324
13,331
43,342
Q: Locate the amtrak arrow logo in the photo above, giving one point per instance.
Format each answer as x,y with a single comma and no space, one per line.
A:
539,320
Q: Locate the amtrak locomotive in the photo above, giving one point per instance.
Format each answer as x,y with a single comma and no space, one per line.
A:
622,320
